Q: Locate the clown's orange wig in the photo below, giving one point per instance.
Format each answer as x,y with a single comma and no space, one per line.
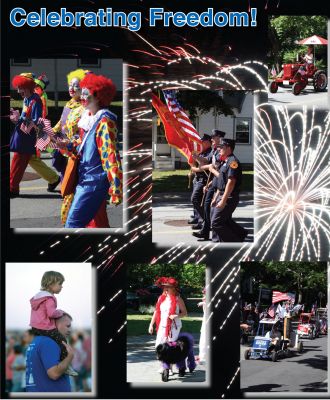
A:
100,87
25,81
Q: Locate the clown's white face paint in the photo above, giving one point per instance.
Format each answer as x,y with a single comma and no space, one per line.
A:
74,89
24,92
89,101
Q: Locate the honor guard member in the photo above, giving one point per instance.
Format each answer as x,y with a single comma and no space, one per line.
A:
199,182
226,199
210,188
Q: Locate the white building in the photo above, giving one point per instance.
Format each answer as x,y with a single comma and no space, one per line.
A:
57,69
238,126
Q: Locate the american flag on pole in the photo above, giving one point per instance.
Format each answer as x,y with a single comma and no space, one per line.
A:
280,296
44,134
178,112
179,131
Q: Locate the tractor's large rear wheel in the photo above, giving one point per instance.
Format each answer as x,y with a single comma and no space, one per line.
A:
320,81
297,88
273,87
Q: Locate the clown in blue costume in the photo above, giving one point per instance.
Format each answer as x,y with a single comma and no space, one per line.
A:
23,139
99,171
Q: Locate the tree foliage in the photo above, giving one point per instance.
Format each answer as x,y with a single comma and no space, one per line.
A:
307,279
142,275
203,101
286,30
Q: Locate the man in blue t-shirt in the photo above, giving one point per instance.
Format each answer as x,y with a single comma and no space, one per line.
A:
44,370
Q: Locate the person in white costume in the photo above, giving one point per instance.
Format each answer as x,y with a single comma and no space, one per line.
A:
169,310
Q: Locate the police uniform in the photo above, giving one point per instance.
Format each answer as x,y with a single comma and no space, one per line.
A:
222,223
197,194
206,226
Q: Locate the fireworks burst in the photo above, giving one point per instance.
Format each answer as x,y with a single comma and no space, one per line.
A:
293,182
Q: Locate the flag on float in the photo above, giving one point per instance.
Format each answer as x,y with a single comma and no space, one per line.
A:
271,311
273,72
280,296
179,131
44,134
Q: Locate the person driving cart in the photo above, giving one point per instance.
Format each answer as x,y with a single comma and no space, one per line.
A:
276,336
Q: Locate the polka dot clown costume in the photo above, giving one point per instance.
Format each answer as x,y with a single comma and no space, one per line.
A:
67,126
99,172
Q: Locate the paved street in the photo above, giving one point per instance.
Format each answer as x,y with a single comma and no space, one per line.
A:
36,208
170,213
306,372
142,365
308,96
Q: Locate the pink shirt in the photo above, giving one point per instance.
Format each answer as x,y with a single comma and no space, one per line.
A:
43,311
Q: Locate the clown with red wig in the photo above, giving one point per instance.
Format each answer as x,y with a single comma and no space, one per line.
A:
24,138
99,171
170,308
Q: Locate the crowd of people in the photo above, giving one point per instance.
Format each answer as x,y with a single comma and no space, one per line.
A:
17,344
216,188
83,144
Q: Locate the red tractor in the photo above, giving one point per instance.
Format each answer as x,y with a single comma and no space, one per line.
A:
296,76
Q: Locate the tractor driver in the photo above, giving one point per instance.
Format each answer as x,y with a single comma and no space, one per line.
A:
308,59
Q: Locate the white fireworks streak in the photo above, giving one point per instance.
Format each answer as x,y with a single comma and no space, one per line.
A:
293,182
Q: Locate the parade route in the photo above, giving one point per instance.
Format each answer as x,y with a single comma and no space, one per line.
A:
170,213
308,96
37,208
306,372
142,366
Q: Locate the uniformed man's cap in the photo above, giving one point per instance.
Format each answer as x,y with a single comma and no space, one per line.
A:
205,137
216,132
227,142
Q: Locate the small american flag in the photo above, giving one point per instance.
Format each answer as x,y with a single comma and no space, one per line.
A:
27,126
44,134
273,72
178,112
279,296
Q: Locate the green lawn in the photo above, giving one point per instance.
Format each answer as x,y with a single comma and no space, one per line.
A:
138,324
177,181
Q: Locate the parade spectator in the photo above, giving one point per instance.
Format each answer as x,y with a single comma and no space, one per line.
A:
10,358
18,367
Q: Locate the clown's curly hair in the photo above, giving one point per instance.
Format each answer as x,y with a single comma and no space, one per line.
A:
23,81
100,87
77,73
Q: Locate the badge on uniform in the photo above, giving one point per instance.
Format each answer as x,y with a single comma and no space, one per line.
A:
233,164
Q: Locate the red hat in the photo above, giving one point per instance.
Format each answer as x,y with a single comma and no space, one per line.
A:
100,87
24,80
165,281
